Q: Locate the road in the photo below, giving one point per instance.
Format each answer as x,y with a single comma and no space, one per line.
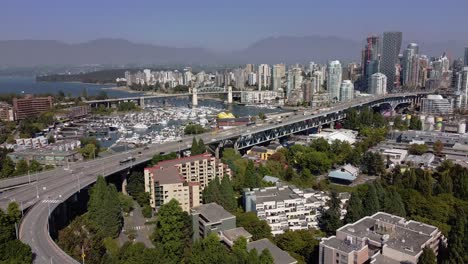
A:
59,184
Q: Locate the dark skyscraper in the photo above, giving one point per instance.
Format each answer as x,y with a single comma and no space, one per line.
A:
370,59
390,50
466,56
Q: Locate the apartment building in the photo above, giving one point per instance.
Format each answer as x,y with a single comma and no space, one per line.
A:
30,106
182,179
6,112
285,207
211,218
380,238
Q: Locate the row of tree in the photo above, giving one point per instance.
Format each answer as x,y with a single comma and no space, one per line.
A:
12,250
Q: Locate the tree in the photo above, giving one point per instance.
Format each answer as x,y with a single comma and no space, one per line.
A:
34,166
162,157
88,152
172,231
21,167
438,147
427,257
194,129
393,204
415,123
372,163
261,115
251,179
220,193
266,257
371,201
303,245
209,251
417,149
104,208
195,149
147,212
456,239
8,167
354,211
330,219
126,202
258,228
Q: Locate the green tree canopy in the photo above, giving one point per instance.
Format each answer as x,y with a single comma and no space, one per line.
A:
173,231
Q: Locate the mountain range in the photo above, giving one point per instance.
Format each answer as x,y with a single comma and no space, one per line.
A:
287,49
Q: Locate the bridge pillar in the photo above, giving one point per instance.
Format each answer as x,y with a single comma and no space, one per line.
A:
124,183
194,97
229,98
142,102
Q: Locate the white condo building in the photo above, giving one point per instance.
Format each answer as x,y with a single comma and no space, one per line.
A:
264,75
285,207
334,73
378,84
346,90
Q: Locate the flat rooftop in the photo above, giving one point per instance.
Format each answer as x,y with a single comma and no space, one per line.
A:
213,212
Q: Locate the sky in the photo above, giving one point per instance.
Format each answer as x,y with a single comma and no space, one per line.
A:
225,25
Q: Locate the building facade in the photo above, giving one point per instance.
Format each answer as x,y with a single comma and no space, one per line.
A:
334,72
264,77
346,90
183,179
436,105
410,65
6,112
380,238
378,84
285,207
30,106
390,49
210,218
279,73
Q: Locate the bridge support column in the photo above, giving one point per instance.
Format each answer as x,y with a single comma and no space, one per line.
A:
142,102
194,97
124,182
229,97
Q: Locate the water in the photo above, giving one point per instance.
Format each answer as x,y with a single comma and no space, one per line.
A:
28,85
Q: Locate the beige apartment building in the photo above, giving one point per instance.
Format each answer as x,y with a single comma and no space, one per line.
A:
182,179
380,238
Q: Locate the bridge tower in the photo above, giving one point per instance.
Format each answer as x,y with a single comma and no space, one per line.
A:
194,97
229,97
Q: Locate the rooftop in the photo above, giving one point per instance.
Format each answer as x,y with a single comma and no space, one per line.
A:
279,256
213,212
235,233
401,235
169,175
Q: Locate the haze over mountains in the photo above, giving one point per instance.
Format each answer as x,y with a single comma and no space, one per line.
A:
287,49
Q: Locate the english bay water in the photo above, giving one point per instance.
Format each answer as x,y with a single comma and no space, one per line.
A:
28,85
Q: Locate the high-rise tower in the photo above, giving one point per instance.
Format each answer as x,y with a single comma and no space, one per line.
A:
390,49
334,72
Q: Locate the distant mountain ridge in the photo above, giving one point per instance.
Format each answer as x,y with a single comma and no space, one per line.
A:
287,49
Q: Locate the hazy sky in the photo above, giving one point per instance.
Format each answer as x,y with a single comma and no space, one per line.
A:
230,24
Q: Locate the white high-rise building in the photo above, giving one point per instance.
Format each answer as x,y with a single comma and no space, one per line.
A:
378,84
252,78
317,81
279,72
239,78
264,76
346,90
334,73
410,65
294,81
147,73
